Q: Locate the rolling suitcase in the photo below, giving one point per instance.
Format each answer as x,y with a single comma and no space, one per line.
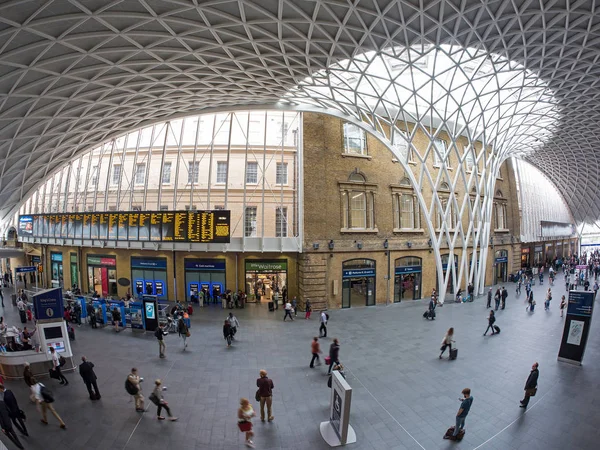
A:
450,432
496,328
453,353
271,306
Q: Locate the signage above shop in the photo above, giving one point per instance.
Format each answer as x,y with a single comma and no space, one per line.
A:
205,264
143,263
266,266
408,269
358,273
58,257
502,259
101,261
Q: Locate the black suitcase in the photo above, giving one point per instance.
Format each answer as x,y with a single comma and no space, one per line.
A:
271,306
450,432
453,353
496,328
426,314
23,316
72,333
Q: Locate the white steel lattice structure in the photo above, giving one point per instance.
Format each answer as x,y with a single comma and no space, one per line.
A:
515,78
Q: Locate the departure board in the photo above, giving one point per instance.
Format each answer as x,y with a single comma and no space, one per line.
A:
156,226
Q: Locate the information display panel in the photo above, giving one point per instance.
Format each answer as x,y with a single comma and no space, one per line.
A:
156,226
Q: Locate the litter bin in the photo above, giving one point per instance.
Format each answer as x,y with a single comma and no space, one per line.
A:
14,299
271,306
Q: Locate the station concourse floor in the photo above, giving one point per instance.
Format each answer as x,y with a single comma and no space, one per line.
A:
404,397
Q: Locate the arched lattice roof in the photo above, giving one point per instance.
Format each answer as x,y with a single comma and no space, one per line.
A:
73,74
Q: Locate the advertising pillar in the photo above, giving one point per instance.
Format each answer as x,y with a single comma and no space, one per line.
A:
150,312
577,327
337,431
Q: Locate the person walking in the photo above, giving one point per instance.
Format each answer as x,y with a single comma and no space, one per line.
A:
56,363
548,298
116,317
563,305
14,412
183,331
234,322
133,387
447,342
28,378
504,294
315,348
86,370
531,384
323,327
160,335
288,311
595,287
265,392
491,321
334,354
530,302
2,297
245,415
463,411
157,398
497,298
45,399
308,309
489,299
6,424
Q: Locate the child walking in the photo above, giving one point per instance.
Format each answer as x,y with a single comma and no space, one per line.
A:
245,415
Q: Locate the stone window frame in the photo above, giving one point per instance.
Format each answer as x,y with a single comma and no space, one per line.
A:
370,190
500,204
444,199
397,191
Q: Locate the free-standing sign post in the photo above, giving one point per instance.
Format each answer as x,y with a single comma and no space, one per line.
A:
150,312
337,431
26,269
48,305
577,326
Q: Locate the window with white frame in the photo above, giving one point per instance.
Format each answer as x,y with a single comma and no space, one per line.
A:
281,222
140,173
282,174
164,207
94,177
449,219
251,172
116,175
500,217
469,160
355,140
357,198
401,142
136,208
166,173
191,208
406,207
221,172
250,227
193,171
440,152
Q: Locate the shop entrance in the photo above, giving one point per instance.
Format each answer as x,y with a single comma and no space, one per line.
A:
450,283
56,267
265,278
102,275
206,276
501,263
358,282
149,276
525,257
407,278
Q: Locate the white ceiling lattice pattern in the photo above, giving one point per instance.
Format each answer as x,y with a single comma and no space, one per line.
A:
75,73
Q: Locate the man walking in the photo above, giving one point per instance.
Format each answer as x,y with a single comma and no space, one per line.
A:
497,298
504,295
461,415
134,388
56,365
44,398
6,425
489,299
531,385
14,412
315,348
334,354
160,334
265,392
86,370
323,327
288,311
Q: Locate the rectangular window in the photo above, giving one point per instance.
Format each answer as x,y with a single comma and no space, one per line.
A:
281,222
407,218
94,179
140,173
193,171
112,208
164,207
250,221
219,207
116,175
358,210
136,208
252,173
221,172
400,141
191,208
355,140
282,174
166,173
469,160
439,152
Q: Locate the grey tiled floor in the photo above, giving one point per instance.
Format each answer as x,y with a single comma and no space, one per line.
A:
404,397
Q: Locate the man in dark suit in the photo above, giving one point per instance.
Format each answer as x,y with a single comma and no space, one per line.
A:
14,412
531,384
86,370
6,424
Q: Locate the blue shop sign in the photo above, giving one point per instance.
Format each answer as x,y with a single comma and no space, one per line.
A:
358,273
25,269
56,257
408,269
581,303
48,304
142,263
36,259
503,259
205,264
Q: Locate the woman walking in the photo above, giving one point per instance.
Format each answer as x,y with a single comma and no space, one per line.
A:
245,415
447,341
157,398
308,309
548,298
491,320
563,305
183,331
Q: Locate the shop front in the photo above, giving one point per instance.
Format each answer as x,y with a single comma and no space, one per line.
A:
56,269
538,255
559,250
265,278
501,266
102,274
450,283
149,276
407,278
74,269
207,275
549,252
525,259
358,282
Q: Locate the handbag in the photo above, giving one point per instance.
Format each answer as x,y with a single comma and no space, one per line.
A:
245,426
531,392
187,333
257,395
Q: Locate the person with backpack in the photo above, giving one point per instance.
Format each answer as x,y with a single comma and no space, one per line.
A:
44,398
133,387
183,331
323,327
57,363
491,321
160,333
548,299
156,397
